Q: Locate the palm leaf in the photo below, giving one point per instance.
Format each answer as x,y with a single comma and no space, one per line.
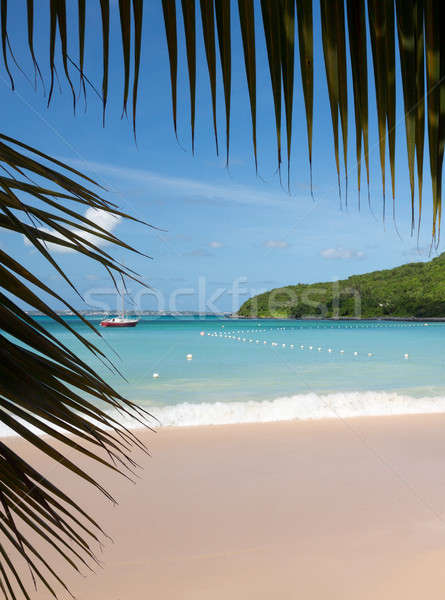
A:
81,17
138,6
287,9
222,11
342,85
43,384
377,26
5,38
435,70
329,10
276,17
208,32
188,13
247,21
305,41
105,15
125,16
30,22
407,33
420,100
391,92
169,9
272,32
359,68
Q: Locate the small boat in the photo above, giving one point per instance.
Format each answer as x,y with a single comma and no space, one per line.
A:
121,320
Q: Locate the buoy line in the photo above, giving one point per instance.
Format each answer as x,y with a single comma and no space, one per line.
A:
342,326
283,345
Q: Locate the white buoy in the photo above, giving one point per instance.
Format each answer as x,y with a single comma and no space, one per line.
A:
310,347
155,375
319,349
189,356
202,333
355,353
284,345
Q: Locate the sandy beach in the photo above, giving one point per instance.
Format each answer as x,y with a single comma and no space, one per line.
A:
318,509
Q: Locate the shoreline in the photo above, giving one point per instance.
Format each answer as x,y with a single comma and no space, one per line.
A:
357,319
234,317
313,509
307,407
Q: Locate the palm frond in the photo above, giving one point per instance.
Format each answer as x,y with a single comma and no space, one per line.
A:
287,9
169,9
278,19
44,386
359,68
188,13
435,71
407,33
247,21
306,42
222,11
420,100
272,32
333,57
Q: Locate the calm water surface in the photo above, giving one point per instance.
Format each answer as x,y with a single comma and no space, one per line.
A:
261,370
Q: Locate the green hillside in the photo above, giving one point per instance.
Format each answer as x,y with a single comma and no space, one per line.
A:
412,290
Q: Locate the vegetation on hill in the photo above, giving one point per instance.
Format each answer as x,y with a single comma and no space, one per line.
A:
412,290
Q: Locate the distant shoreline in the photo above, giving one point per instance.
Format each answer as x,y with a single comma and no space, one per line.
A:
236,317
330,319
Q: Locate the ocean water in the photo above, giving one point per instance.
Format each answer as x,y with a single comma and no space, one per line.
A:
269,370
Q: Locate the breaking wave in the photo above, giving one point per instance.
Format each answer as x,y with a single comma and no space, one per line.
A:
302,407
299,407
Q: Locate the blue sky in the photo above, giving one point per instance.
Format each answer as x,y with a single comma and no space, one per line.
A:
217,225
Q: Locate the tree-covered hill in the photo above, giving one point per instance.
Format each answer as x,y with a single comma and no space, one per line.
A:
412,290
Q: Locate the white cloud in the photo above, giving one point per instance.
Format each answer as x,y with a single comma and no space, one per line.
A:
215,192
100,217
276,244
342,253
216,244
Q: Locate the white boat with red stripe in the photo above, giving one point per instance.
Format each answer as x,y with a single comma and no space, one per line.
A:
121,320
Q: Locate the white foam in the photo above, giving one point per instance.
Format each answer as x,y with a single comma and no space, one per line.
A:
304,407
300,407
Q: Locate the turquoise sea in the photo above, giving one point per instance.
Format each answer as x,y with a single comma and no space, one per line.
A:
266,370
